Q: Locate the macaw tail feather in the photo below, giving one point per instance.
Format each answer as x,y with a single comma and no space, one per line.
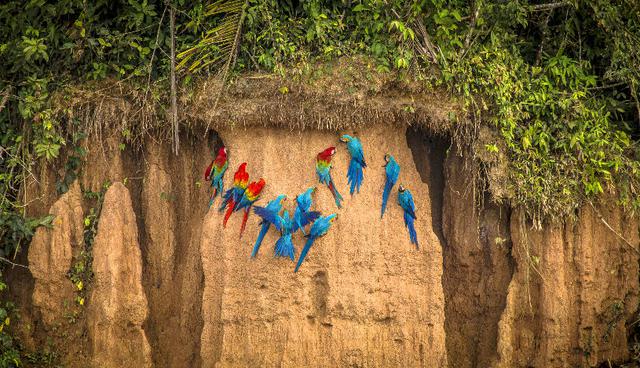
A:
301,228
336,194
304,252
231,205
385,195
263,232
408,220
284,247
213,197
355,176
244,220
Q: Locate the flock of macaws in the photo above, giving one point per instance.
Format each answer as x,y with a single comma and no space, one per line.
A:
242,196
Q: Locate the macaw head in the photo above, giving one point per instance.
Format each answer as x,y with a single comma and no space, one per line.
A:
243,167
332,217
281,197
387,159
222,151
327,153
346,138
401,188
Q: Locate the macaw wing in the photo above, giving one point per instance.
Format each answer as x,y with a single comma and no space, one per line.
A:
304,201
271,217
305,219
207,171
393,171
358,155
218,171
409,205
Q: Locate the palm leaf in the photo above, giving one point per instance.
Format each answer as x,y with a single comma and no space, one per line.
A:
217,47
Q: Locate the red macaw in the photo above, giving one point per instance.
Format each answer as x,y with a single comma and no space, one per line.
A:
215,173
250,195
233,195
323,168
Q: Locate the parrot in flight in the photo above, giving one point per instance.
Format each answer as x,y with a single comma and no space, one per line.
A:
392,170
234,194
249,197
319,228
405,200
323,168
287,227
304,202
215,172
274,207
354,174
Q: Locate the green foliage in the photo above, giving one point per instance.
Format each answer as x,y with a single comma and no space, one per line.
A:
557,82
73,165
81,273
9,354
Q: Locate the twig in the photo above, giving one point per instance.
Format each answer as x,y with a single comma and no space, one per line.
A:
5,97
13,263
230,61
153,54
612,229
174,93
472,26
428,48
549,6
543,38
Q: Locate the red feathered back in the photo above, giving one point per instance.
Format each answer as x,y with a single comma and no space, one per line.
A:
221,159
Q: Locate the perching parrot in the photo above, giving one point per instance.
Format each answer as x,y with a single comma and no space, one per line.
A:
287,227
354,174
318,229
304,202
323,168
392,170
215,172
250,195
405,200
233,195
274,207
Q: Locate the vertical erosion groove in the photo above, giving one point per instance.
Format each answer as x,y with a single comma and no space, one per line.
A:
172,206
476,252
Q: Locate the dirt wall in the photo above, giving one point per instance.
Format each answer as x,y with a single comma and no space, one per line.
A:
484,289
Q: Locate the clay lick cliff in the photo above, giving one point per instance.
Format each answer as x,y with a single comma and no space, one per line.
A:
172,288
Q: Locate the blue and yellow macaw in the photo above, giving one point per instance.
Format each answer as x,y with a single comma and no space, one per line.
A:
392,170
274,206
287,227
354,174
405,200
319,228
304,202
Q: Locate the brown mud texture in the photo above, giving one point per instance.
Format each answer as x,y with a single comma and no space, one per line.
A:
172,288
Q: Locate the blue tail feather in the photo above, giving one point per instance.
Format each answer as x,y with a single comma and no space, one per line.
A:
336,195
355,176
385,196
284,247
304,252
263,232
412,230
